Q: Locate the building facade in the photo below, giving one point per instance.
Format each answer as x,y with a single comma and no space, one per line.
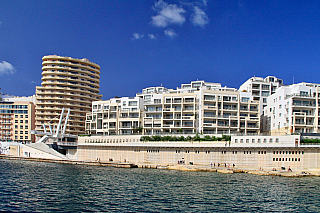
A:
198,107
17,119
260,88
117,116
66,83
293,109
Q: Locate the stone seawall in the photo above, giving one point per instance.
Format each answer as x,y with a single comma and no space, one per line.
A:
190,168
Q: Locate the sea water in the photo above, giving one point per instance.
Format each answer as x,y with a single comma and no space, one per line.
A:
27,186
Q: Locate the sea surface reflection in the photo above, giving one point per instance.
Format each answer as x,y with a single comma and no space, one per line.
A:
46,187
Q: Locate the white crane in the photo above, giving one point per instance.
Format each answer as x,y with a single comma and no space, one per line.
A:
57,131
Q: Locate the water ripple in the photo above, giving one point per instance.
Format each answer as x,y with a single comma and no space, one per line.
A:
47,187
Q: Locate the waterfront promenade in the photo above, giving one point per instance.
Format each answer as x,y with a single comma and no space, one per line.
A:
180,167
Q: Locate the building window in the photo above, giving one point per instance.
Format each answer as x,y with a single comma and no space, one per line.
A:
259,140
21,137
21,116
21,121
236,140
21,132
277,140
265,140
26,121
247,140
26,127
26,137
25,132
16,116
16,121
241,140
21,127
253,140
270,140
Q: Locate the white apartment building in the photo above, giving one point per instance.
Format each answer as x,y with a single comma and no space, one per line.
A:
260,88
117,116
198,107
293,109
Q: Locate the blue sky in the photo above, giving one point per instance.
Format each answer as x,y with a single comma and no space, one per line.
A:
148,43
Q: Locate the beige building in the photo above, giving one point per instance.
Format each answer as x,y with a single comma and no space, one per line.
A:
17,119
67,83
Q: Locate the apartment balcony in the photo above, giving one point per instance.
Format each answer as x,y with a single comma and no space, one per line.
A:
125,126
209,125
167,126
5,117
5,138
167,109
6,128
299,95
5,122
230,108
244,109
209,116
187,109
209,107
187,117
6,133
252,126
303,105
167,117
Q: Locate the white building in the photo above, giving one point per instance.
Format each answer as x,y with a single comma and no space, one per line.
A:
293,109
197,107
115,116
260,88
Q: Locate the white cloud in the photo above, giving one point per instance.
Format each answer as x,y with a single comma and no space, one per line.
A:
137,36
204,2
167,14
152,37
199,17
6,68
33,82
170,33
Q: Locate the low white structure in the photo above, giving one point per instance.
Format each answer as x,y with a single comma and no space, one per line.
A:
242,151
